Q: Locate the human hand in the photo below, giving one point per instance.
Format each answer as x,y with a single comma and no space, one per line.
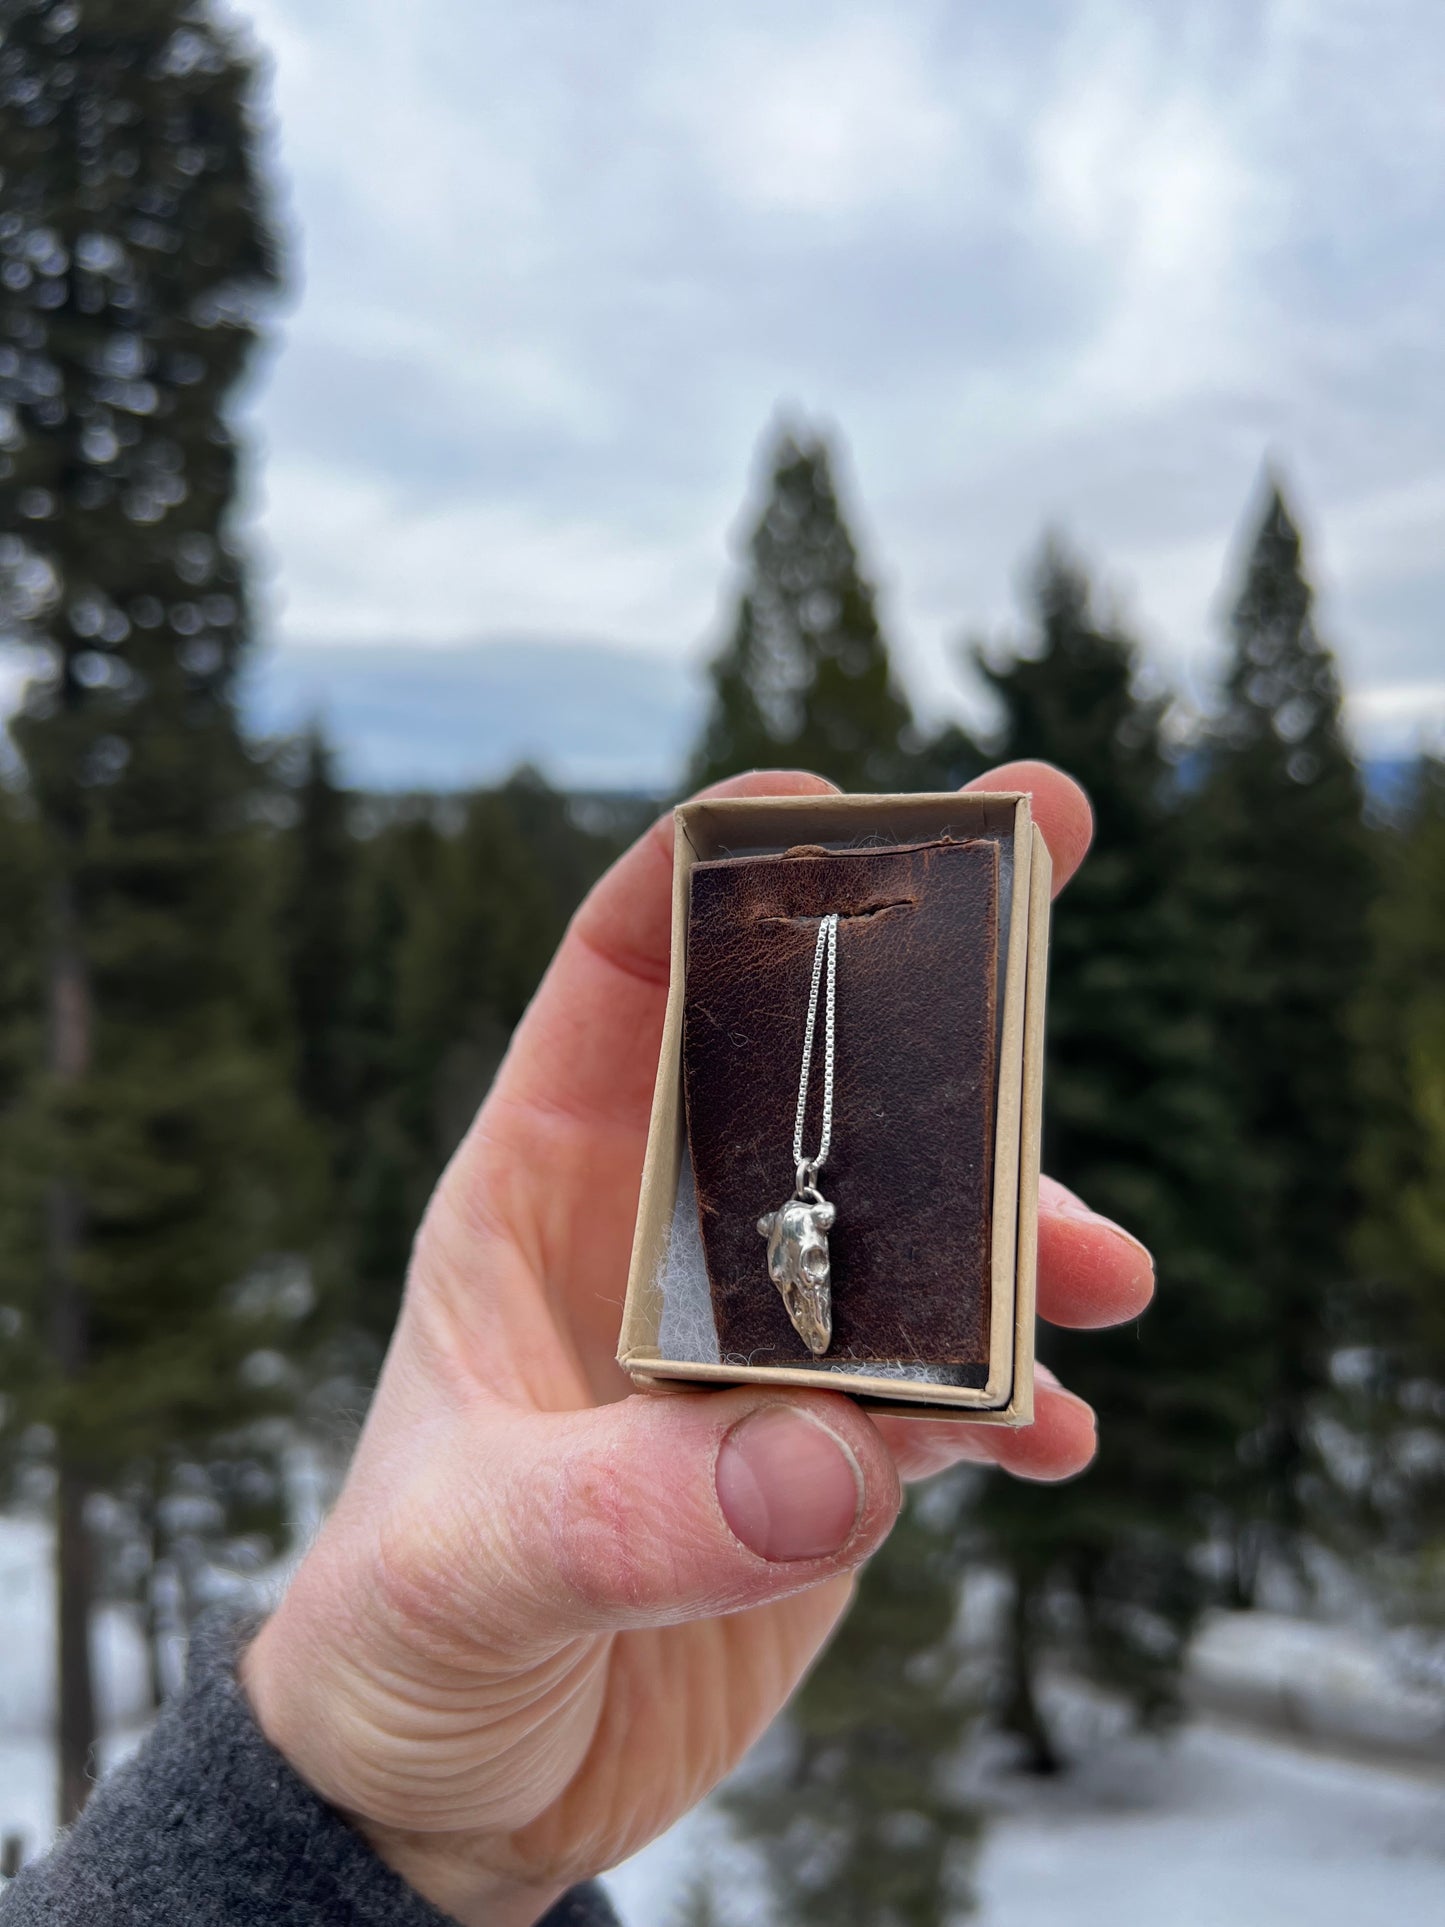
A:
545,1616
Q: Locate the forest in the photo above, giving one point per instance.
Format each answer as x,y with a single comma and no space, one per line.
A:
247,1012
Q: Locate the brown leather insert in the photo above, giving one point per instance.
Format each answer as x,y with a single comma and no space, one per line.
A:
910,1169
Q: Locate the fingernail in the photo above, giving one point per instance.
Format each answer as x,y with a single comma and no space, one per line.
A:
788,1488
1043,1374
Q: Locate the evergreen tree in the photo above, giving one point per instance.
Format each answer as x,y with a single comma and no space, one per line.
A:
1104,1571
698,1906
161,1150
805,675
341,1057
1288,865
319,934
1401,1239
459,904
859,1820
387,1153
478,942
22,1050
867,1829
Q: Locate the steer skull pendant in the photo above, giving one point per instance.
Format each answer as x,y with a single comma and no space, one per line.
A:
797,1235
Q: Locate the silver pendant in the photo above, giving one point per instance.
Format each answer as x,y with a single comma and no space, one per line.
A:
797,1232
797,1235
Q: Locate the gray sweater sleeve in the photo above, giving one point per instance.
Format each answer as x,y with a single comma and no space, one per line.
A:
207,1826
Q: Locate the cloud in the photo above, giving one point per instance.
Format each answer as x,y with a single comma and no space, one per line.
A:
1141,175
1408,718
831,117
1082,265
380,566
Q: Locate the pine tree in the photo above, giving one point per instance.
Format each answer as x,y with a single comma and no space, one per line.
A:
1402,1164
161,1150
477,945
387,1152
458,905
1103,1571
22,1051
859,1819
319,934
805,675
1401,1239
697,1905
340,1063
1290,873
867,1828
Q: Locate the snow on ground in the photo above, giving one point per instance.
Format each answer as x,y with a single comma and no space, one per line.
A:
1343,1685
27,1681
1215,1828
1218,1827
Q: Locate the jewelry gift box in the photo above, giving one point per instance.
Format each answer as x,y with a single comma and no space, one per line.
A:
864,975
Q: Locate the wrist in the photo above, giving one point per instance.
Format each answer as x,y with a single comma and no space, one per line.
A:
447,1870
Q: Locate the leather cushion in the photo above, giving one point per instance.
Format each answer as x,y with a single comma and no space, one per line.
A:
910,1169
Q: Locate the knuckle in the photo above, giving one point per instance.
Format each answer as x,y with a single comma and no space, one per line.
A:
597,1556
416,1579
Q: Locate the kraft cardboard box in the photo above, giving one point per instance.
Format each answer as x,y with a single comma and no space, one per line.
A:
669,1336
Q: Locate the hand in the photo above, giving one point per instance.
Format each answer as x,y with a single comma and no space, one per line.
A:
546,1617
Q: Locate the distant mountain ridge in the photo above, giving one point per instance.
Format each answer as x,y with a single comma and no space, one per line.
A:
591,716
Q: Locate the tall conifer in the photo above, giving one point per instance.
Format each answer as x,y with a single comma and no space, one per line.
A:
382,1145
320,914
1103,1571
806,678
805,675
135,258
1401,1241
858,1813
1286,860
458,905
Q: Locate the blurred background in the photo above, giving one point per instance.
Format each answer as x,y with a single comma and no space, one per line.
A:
433,438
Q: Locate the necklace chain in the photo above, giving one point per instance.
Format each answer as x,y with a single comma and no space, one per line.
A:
808,1168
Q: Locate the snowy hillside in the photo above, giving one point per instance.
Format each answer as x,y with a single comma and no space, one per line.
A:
1216,1828
1221,1827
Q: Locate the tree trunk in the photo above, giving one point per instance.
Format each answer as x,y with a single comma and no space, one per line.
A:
70,1044
1022,1714
75,1725
153,1618
1243,1569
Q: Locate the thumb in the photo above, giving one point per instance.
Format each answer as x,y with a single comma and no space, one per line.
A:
661,1509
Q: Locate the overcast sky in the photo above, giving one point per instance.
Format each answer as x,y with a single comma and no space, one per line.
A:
1088,265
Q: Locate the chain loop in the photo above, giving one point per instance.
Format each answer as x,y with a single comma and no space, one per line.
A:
827,947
